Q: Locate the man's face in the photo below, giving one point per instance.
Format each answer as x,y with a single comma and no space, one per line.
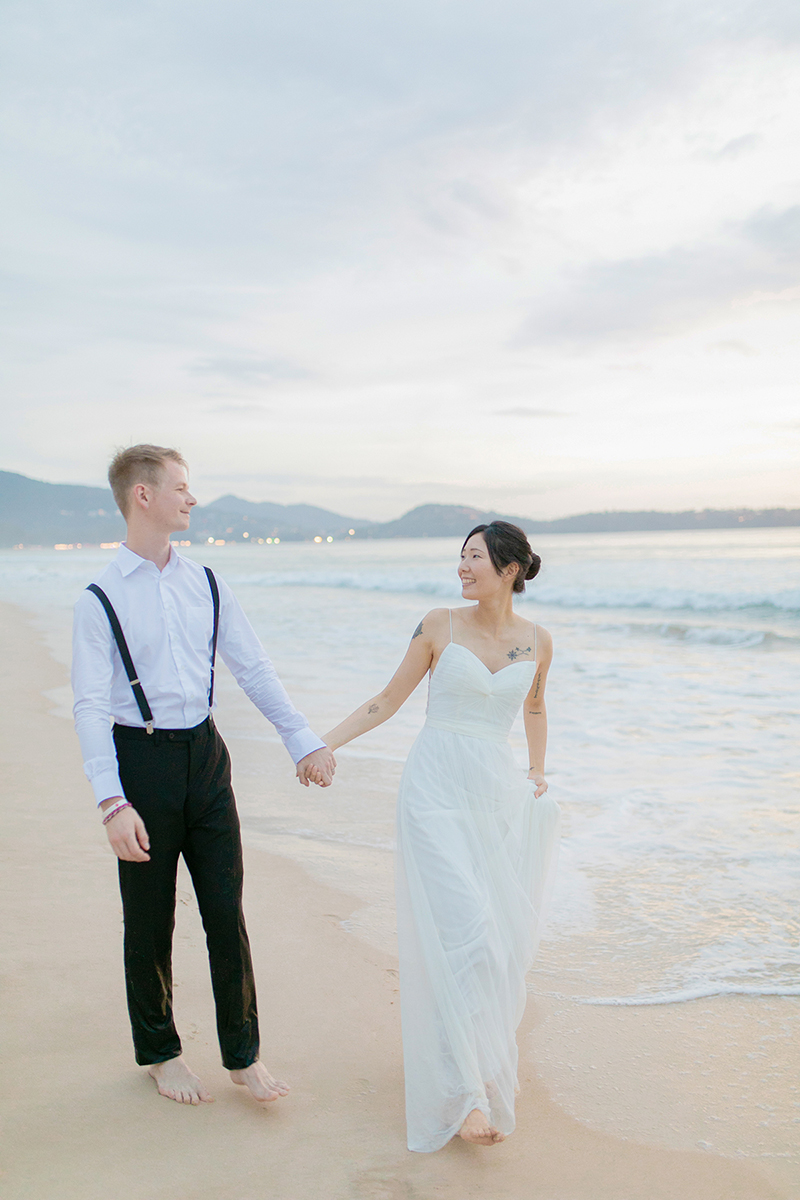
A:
170,504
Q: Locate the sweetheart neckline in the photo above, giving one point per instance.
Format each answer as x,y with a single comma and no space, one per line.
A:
523,663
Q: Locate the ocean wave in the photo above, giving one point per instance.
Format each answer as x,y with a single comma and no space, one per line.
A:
668,599
318,835
353,581
703,991
720,635
552,595
700,992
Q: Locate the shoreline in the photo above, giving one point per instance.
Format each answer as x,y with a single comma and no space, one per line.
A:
330,1024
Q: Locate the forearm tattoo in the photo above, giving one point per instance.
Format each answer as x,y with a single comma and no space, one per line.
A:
534,712
515,653
538,686
373,708
417,631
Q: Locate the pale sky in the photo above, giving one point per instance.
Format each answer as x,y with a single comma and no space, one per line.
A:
538,257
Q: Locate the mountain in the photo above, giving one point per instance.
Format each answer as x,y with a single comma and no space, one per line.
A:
231,517
37,513
434,520
632,522
44,513
452,520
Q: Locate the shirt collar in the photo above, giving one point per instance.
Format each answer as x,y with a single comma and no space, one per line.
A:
128,561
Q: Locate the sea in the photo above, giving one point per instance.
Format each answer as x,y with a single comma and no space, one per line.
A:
674,746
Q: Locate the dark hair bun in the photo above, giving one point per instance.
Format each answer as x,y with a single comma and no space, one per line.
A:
508,544
534,568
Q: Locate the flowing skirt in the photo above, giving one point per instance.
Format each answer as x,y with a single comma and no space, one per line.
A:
475,856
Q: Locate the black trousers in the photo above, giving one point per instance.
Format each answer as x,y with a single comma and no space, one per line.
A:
179,781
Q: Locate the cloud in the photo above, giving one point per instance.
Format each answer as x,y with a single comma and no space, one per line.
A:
658,294
237,410
522,410
733,346
249,370
738,146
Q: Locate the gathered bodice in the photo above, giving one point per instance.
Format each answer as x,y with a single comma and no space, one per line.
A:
465,697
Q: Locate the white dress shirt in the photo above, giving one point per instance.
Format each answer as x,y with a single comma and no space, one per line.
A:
167,618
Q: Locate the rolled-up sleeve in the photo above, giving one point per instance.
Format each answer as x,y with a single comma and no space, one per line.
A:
242,652
92,673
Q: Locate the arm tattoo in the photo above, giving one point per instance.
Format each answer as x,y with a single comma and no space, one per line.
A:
373,708
534,712
417,631
538,685
515,653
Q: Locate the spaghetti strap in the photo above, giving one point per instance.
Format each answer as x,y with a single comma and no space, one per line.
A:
450,611
534,642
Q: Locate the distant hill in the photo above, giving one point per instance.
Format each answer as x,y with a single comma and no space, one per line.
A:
435,520
231,517
451,520
45,513
37,513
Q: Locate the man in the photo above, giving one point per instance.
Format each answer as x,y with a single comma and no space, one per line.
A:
162,777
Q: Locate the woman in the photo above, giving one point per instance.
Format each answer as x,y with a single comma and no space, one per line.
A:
475,844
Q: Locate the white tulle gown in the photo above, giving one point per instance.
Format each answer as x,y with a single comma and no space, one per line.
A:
475,852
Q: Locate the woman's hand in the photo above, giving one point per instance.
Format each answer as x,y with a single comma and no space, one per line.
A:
540,781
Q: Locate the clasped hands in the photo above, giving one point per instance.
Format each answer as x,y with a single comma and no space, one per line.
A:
317,767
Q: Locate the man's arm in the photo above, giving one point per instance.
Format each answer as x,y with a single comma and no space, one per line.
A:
92,673
242,652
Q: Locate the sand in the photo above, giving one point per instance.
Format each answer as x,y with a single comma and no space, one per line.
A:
81,1121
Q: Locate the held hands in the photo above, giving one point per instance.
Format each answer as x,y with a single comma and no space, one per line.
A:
318,767
540,781
127,834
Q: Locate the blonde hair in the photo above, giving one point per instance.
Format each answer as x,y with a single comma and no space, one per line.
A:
138,464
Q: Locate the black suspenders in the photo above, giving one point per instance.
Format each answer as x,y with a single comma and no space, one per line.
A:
212,583
125,654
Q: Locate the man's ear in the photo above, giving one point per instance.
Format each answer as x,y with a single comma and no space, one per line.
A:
140,494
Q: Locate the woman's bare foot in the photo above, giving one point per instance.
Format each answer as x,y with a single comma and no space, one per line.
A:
477,1129
175,1081
261,1084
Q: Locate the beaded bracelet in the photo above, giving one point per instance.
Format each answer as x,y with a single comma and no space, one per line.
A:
115,808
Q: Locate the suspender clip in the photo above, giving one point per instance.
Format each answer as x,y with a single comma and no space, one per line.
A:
149,726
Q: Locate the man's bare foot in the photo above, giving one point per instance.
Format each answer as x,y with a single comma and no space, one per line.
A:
261,1084
175,1081
477,1129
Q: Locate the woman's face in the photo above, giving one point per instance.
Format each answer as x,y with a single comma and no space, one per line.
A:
479,579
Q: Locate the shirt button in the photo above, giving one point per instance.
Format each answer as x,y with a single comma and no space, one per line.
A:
172,737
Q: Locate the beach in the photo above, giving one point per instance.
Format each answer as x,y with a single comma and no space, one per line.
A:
689,1097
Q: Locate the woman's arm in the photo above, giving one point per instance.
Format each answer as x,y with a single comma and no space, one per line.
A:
412,669
536,714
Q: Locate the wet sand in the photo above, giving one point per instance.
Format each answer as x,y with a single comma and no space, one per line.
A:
82,1121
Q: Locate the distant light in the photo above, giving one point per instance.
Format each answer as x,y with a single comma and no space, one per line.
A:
219,541
78,545
269,541
317,539
276,540
261,541
245,534
63,546
330,539
211,541
351,532
109,545
20,546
